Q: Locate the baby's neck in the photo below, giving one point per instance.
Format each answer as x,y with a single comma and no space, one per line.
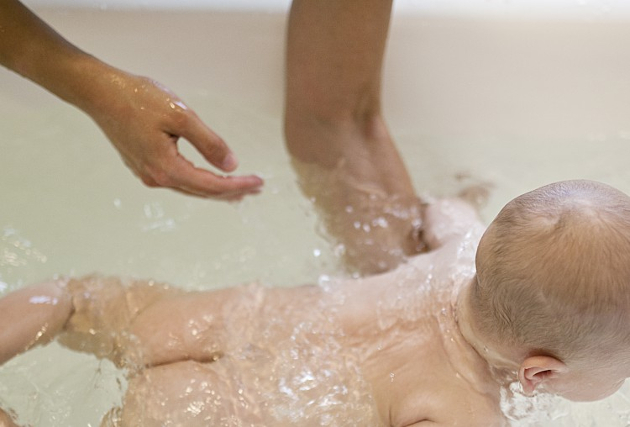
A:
495,358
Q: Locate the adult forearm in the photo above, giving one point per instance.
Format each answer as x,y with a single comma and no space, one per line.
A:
31,48
334,57
333,116
347,161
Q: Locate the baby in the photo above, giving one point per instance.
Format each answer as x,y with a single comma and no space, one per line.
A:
430,343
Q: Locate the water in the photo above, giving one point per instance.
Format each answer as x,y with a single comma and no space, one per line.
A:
515,105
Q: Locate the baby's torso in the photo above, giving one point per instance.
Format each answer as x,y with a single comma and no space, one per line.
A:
375,352
300,361
285,364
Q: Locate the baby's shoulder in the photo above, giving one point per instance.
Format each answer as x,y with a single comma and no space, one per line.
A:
456,405
450,219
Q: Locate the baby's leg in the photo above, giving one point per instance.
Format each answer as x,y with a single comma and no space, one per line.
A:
31,316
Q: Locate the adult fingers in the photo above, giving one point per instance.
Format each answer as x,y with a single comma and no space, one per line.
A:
184,176
226,197
209,144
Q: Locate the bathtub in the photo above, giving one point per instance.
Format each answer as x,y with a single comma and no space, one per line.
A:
510,95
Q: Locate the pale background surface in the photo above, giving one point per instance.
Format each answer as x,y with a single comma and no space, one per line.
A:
516,102
538,8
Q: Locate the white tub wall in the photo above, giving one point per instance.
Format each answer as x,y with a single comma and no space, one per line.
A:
518,104
500,8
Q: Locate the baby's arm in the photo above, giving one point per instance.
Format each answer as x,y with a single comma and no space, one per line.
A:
29,317
32,316
142,323
136,322
90,314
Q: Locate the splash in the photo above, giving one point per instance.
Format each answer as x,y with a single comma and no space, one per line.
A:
16,251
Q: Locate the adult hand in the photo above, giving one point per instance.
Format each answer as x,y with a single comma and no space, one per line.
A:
142,119
145,120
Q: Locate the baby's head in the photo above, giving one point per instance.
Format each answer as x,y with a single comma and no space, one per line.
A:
552,290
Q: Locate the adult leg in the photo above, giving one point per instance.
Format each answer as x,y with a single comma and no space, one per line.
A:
336,134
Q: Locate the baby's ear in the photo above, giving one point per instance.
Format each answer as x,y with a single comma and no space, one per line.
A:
537,370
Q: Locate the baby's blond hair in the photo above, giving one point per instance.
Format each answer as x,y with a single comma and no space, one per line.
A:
553,272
